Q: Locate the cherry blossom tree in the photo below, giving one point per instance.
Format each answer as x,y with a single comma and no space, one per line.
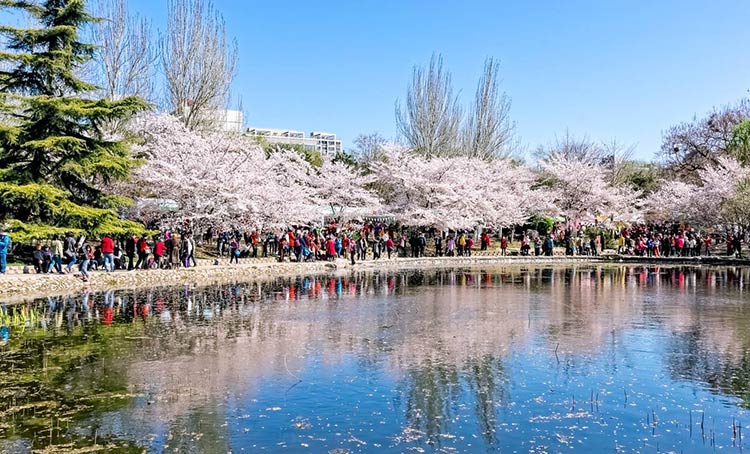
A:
208,177
674,201
216,178
415,189
738,207
287,198
580,190
498,192
340,187
453,193
713,201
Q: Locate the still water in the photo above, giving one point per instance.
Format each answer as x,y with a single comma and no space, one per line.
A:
527,360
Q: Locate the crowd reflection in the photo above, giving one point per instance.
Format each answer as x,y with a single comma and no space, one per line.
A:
172,304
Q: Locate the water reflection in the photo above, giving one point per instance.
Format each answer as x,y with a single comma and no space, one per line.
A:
466,360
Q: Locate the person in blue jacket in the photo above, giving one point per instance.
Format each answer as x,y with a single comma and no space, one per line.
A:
4,248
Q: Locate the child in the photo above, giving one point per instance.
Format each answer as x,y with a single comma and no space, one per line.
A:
235,251
88,255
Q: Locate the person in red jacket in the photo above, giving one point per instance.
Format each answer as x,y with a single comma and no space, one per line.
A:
331,248
143,252
389,246
486,242
159,250
108,253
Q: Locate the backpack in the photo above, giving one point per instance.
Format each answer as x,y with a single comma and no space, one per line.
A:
70,247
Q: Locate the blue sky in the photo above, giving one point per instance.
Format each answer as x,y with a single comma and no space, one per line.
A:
605,69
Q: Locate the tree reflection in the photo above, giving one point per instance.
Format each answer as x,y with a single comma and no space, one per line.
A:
694,355
431,390
47,382
486,379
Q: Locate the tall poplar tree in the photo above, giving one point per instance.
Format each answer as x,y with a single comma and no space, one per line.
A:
55,158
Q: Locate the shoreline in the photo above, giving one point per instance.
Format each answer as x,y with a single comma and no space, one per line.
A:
15,288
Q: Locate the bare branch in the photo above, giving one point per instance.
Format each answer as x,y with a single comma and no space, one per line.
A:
574,148
691,146
198,62
126,57
488,132
430,124
369,147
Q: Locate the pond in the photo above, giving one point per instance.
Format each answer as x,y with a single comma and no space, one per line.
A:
507,359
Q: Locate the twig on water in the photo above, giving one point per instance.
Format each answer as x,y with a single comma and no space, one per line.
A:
299,380
286,366
713,431
557,357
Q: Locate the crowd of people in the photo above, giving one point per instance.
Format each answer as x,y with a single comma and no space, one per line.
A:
174,249
354,242
168,250
377,240
665,240
647,240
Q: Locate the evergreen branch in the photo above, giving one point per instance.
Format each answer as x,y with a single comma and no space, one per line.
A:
30,7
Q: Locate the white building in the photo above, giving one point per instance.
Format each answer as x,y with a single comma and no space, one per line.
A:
229,120
326,144
221,120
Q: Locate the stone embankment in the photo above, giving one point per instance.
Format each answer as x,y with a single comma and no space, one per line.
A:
17,286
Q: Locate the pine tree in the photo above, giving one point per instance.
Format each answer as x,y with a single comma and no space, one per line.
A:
56,158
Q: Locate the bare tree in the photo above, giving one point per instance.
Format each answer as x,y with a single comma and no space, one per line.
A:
571,147
488,132
126,58
691,146
618,158
432,117
369,147
198,62
614,157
